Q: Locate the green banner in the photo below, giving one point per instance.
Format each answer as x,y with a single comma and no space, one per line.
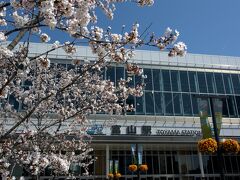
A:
203,114
218,114
116,165
140,153
133,149
111,166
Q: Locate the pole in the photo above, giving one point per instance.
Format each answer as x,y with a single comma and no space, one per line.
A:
201,164
107,160
138,171
219,153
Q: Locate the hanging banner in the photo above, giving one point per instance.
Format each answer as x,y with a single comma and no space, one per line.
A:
116,166
133,149
110,166
203,113
140,154
218,113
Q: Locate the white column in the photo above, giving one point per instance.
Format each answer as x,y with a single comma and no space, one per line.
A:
201,163
107,160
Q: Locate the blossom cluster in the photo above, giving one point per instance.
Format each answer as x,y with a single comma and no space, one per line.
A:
46,102
36,152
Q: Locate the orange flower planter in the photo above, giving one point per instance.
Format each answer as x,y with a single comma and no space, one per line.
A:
132,167
230,146
110,175
143,167
207,145
118,175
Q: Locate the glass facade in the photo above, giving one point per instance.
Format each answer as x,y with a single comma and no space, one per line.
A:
174,164
171,92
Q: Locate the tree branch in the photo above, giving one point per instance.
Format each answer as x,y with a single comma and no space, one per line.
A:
23,32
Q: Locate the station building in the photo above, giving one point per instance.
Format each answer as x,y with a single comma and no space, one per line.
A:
166,119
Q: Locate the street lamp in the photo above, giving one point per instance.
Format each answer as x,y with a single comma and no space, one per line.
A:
215,128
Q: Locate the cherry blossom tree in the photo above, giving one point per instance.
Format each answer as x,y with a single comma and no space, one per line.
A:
49,130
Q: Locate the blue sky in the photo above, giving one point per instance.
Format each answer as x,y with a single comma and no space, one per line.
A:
206,26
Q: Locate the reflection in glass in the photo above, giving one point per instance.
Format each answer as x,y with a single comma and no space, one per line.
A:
168,103
157,86
228,83
166,80
202,82
149,103
211,83
187,108
236,83
158,103
177,101
148,80
175,81
219,83
184,81
192,81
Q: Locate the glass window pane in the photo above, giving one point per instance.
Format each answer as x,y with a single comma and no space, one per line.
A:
219,83
148,80
156,79
162,162
134,79
158,103
195,105
225,108
238,103
187,108
234,163
149,103
166,80
131,101
202,82
138,80
193,81
184,81
111,74
210,83
119,73
168,103
155,165
140,105
177,100
228,83
231,106
236,83
175,81
169,164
